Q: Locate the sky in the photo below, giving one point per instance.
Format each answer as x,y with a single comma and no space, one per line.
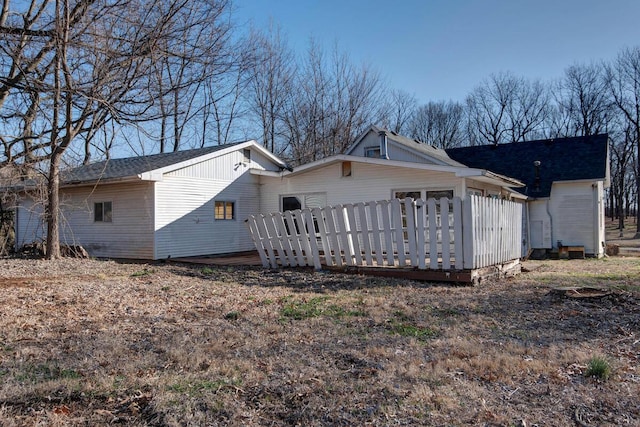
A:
442,49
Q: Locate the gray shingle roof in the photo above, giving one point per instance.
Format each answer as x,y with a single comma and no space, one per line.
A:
561,159
133,166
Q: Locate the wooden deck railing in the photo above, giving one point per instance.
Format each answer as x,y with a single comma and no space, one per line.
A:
433,234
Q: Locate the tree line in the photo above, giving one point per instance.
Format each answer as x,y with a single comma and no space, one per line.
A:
82,80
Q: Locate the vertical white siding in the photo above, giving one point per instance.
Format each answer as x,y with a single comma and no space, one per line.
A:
185,224
129,235
572,207
540,225
29,226
600,220
366,183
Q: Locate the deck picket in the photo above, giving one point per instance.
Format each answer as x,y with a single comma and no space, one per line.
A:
355,232
343,236
312,242
444,224
297,253
387,232
318,213
397,233
365,233
421,249
433,227
376,233
333,236
409,207
457,233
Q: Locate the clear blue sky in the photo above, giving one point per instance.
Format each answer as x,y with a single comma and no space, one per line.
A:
442,49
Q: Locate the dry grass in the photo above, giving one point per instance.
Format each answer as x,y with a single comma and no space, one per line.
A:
95,343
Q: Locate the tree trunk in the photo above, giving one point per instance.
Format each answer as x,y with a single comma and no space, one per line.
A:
637,236
53,208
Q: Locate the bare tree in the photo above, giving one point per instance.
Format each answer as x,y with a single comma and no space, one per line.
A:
78,64
331,102
506,108
271,81
197,71
487,108
623,81
399,111
583,101
439,123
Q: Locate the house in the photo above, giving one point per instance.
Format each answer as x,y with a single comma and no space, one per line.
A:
195,202
564,178
564,181
153,207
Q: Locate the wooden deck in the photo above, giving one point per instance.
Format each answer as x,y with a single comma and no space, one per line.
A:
474,276
239,259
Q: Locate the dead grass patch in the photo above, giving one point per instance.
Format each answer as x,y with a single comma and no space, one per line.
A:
85,342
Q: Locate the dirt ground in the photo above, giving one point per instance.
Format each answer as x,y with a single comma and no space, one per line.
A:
89,343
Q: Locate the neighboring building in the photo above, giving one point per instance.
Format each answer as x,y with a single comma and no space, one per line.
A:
153,207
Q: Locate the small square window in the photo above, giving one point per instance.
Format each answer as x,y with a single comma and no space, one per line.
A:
224,210
247,155
102,212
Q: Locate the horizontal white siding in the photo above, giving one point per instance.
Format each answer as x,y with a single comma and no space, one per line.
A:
185,224
129,235
398,152
394,151
366,183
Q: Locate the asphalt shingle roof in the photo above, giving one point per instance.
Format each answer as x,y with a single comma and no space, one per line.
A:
132,166
561,159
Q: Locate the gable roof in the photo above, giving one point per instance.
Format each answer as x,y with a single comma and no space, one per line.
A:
561,159
426,151
145,166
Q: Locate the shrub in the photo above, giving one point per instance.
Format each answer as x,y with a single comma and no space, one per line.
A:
598,367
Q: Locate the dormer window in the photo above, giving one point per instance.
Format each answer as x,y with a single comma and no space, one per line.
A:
373,152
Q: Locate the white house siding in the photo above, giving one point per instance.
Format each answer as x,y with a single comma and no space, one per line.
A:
366,183
259,161
128,235
394,150
540,224
29,225
574,209
185,224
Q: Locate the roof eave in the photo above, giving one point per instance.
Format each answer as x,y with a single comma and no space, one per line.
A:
119,180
